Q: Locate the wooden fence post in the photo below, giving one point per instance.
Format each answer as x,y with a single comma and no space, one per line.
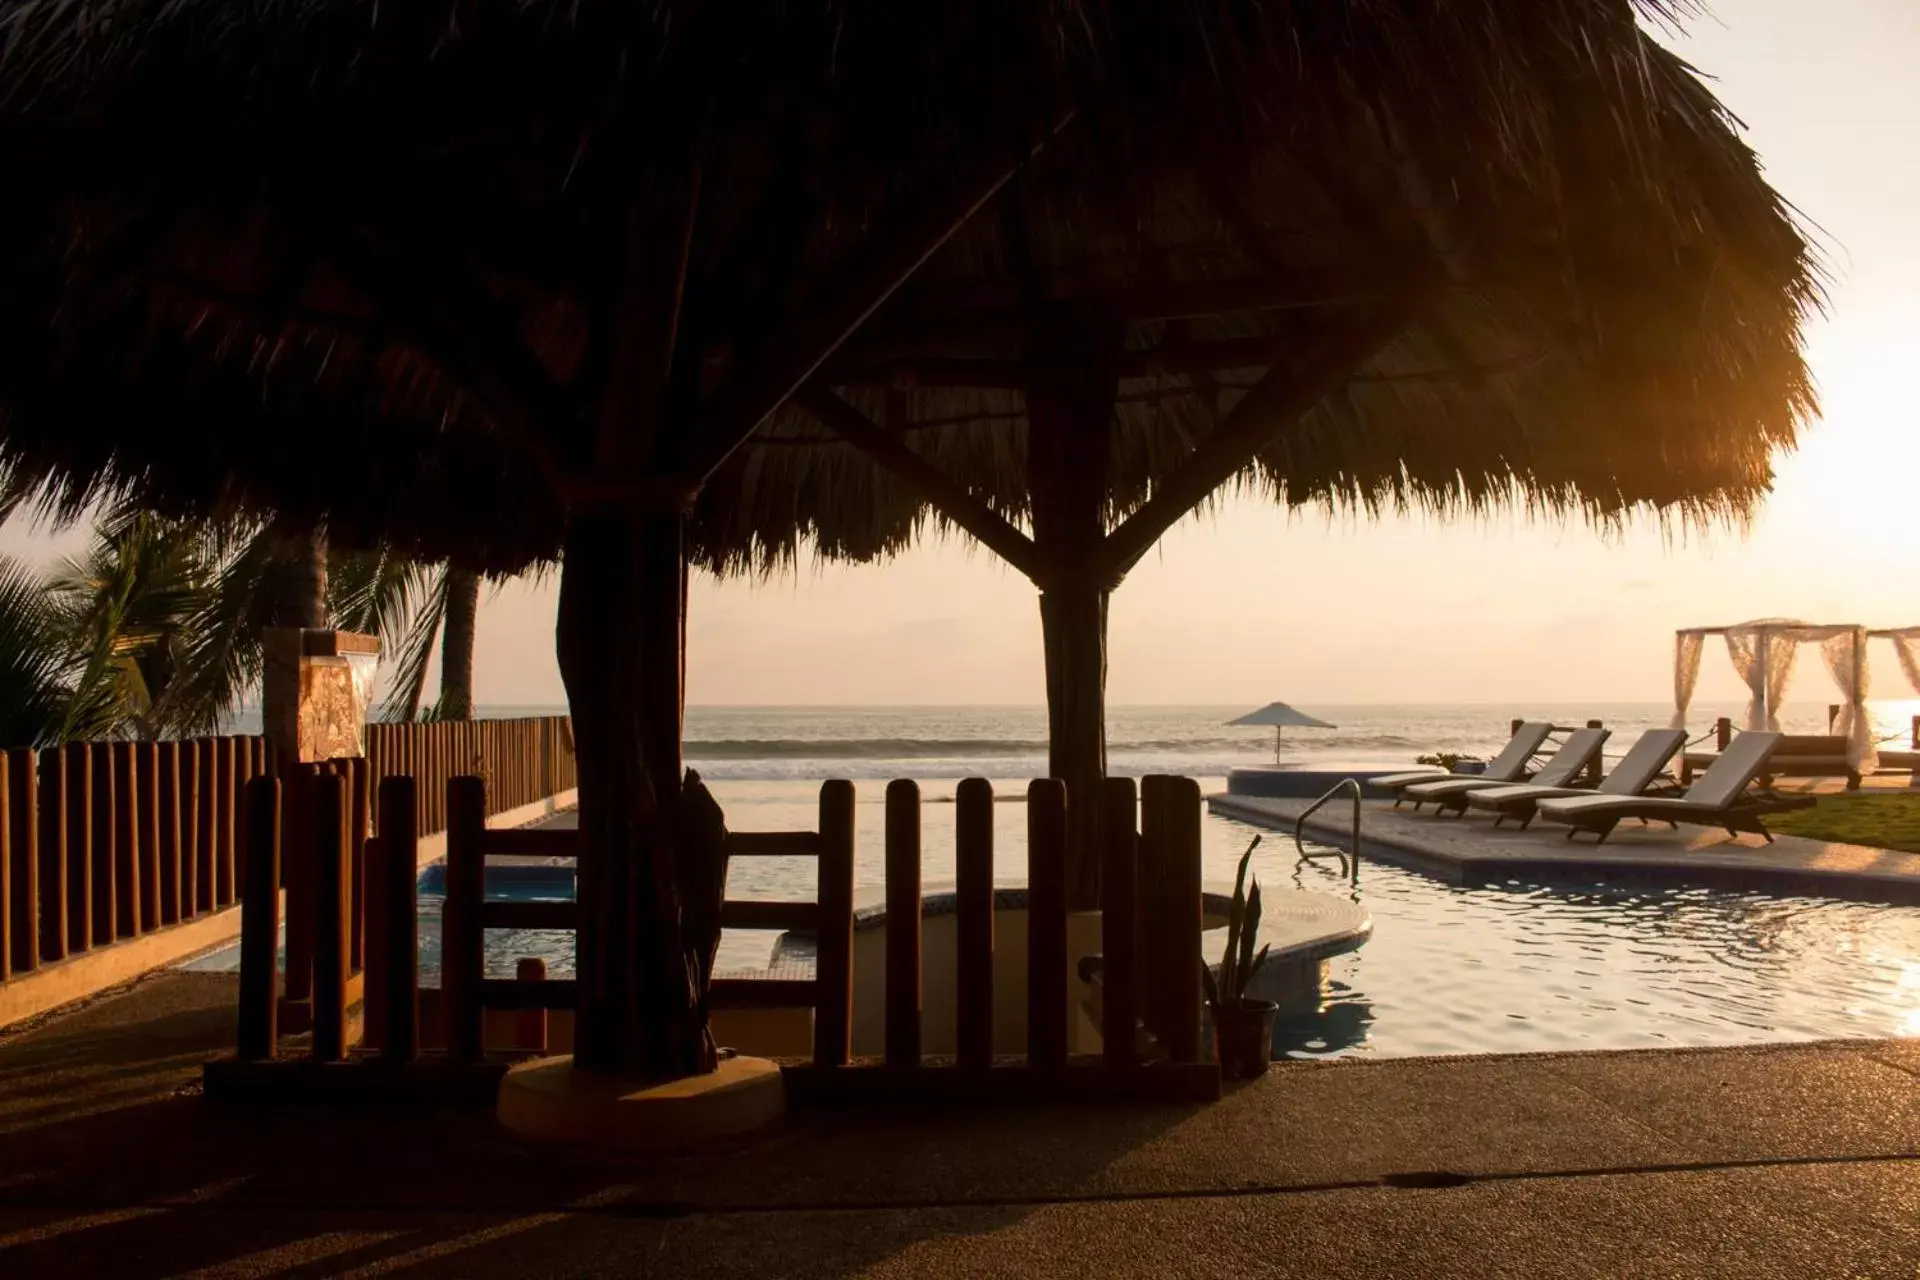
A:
1722,733
108,808
78,761
299,856
243,773
166,822
400,953
146,774
6,872
1047,802
50,798
462,940
1181,887
359,818
1119,975
833,960
125,826
531,1029
903,923
973,865
23,833
260,923
226,816
332,887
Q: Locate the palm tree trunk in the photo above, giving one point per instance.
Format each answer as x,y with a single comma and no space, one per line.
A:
622,609
303,602
456,644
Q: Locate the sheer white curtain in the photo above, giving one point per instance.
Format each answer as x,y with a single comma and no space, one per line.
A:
1845,651
1782,648
1906,643
1686,673
1744,648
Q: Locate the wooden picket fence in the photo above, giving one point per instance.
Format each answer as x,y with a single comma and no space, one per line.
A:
523,761
1151,924
101,842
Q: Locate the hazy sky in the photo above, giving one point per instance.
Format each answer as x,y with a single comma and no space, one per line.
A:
1250,604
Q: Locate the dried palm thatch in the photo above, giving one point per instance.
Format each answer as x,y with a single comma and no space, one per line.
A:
1610,294
1614,327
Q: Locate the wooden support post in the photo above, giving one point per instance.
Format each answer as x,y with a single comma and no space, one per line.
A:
1182,904
1595,767
973,864
50,799
462,940
903,923
400,953
833,962
1915,734
1119,975
23,834
125,825
175,865
77,758
260,923
1047,923
1513,726
1722,733
332,884
226,818
146,779
530,1029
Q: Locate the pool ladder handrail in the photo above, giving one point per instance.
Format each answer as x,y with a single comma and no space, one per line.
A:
1349,861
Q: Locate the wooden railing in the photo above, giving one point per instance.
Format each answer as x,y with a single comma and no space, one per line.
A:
101,842
1150,940
523,761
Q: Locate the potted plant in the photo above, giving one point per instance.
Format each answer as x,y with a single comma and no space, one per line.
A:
1242,1027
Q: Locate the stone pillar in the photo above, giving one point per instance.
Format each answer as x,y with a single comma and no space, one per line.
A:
314,693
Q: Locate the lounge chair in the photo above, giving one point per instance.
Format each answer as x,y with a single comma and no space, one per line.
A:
1633,775
1509,766
1575,756
1718,799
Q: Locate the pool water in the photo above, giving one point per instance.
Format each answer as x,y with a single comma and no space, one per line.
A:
1503,968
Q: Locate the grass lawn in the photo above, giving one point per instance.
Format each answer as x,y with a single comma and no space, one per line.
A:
1889,822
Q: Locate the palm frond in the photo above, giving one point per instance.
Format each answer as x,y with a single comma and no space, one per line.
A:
407,678
34,695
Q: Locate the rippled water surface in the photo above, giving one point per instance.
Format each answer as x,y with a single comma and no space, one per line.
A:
1501,968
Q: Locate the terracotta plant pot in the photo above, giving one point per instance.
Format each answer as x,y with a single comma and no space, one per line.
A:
1243,1037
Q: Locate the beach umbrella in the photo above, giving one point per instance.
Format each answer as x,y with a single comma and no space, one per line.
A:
1281,717
516,280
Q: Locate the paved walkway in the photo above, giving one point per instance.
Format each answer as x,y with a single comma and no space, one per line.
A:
1472,849
1798,1161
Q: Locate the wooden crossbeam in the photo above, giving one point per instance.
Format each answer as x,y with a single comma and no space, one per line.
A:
816,331
946,494
1272,405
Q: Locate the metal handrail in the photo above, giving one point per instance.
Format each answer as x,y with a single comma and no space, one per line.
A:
1349,862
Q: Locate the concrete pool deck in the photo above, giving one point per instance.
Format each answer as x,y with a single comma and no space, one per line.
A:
1472,850
1785,1161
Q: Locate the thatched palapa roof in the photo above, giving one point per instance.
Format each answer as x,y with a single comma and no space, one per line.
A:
219,223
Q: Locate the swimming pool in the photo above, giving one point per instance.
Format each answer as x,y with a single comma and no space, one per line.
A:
1500,968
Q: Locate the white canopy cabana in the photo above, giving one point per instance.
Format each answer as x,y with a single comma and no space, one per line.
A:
1763,652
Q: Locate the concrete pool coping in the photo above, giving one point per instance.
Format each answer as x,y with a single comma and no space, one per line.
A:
1473,851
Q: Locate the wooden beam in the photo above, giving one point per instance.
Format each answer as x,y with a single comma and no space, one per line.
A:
1269,408
945,494
874,272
